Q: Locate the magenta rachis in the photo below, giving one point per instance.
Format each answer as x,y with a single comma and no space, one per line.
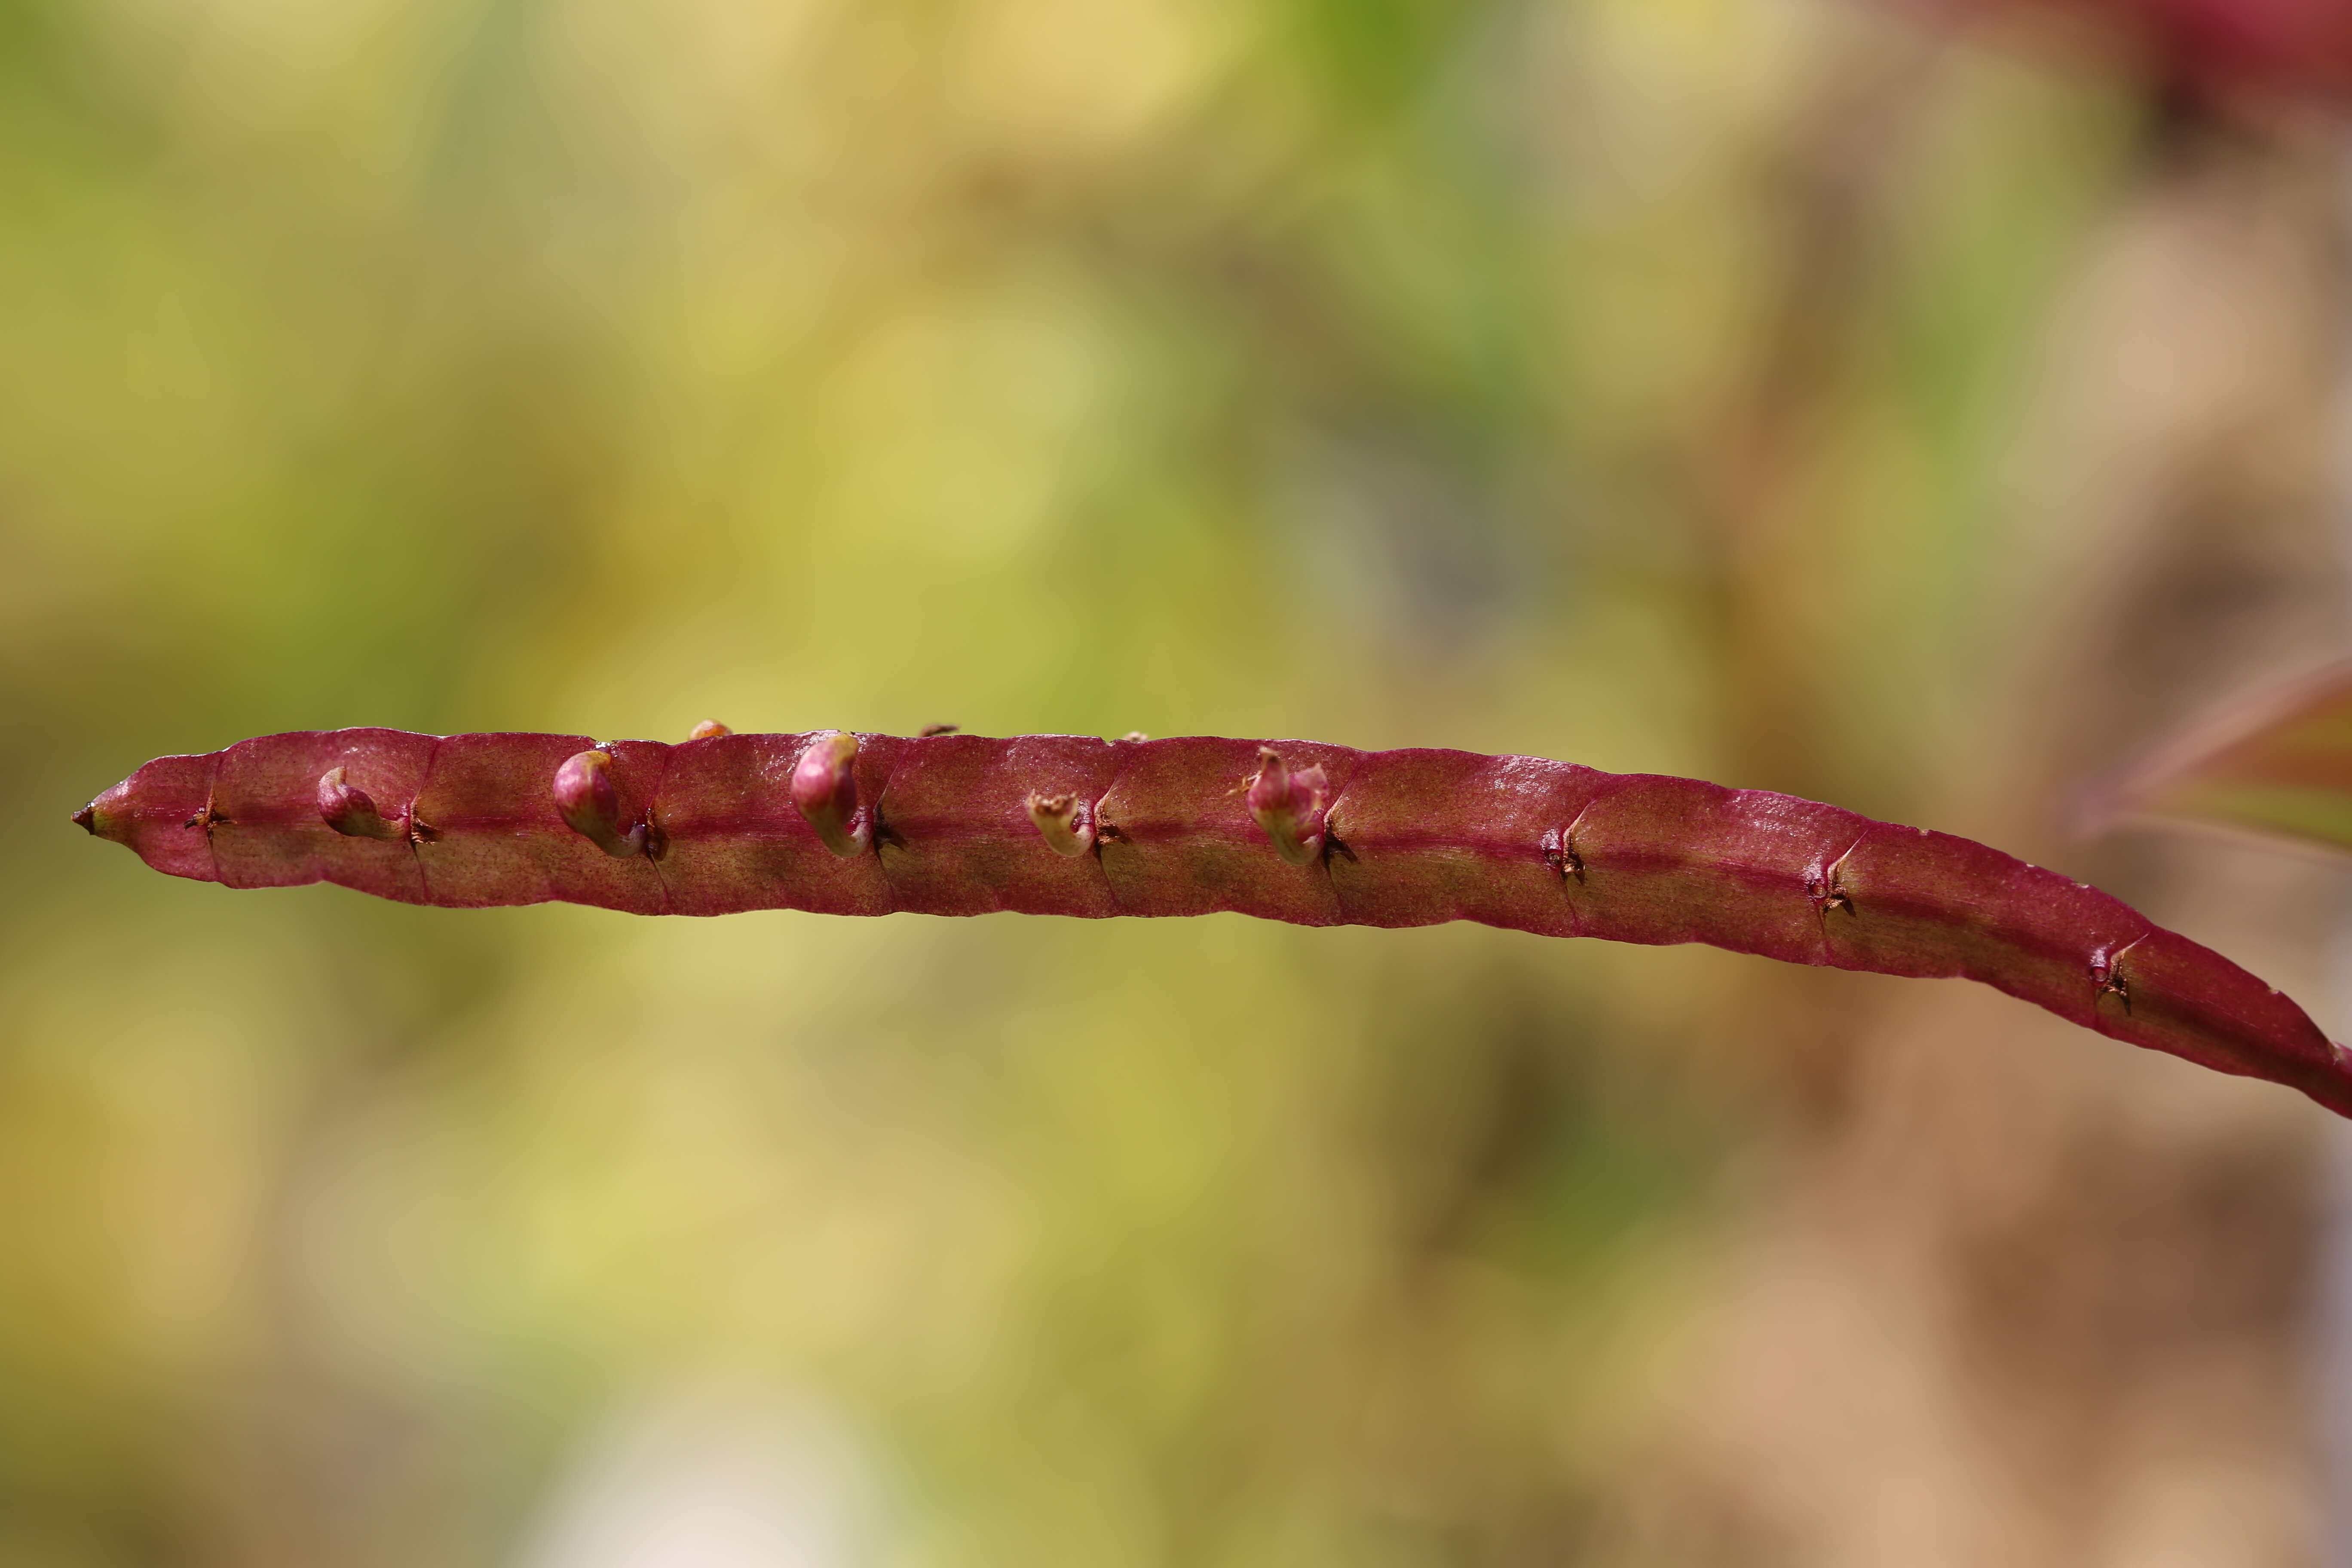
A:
1290,830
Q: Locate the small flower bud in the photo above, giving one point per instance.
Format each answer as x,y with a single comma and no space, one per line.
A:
349,810
1065,821
825,788
707,729
586,795
1289,806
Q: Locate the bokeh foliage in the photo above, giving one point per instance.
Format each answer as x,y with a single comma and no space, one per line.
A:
1391,372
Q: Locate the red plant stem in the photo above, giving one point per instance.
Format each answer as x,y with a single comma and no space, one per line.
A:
1316,835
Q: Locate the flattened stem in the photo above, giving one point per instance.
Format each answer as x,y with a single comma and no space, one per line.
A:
1061,824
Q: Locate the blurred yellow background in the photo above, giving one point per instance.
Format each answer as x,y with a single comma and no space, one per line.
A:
1771,390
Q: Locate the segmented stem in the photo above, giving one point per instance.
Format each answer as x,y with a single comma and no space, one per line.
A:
948,824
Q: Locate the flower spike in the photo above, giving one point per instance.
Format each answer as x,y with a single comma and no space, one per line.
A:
1072,825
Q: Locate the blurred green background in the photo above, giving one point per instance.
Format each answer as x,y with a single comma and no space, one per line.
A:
1779,391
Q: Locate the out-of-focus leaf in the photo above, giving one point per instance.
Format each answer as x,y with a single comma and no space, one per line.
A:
2279,760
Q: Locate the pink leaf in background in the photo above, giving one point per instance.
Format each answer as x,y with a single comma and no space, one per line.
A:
2278,761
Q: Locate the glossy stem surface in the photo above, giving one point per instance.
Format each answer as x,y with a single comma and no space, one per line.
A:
1287,830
